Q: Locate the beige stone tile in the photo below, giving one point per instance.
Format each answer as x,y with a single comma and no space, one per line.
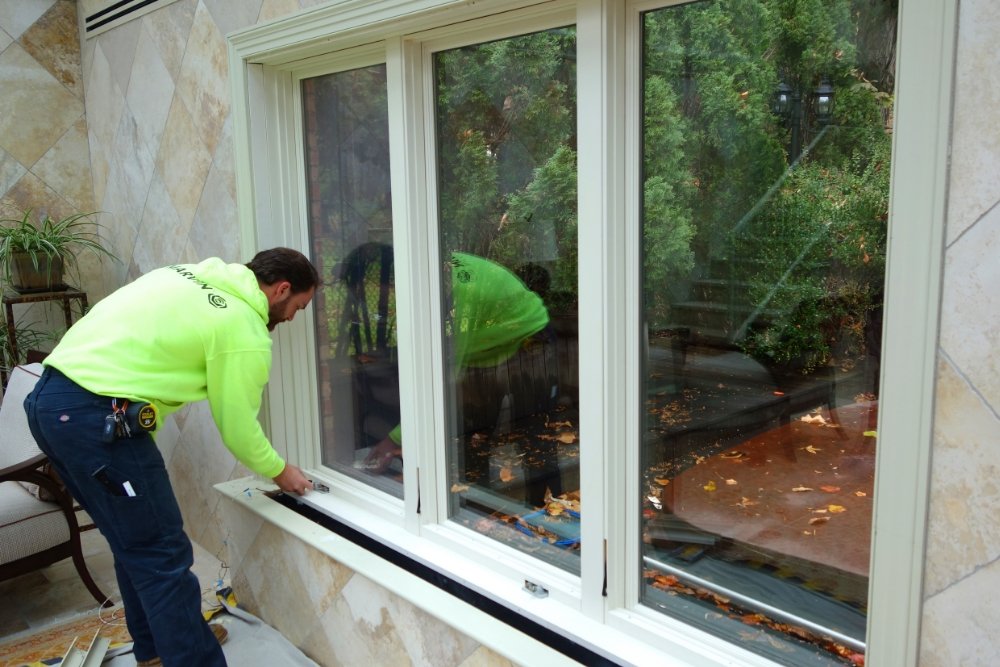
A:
241,530
149,93
5,39
16,17
169,28
66,167
54,41
958,626
361,628
275,9
118,45
970,307
105,103
428,641
484,657
283,600
975,150
135,162
35,109
203,83
963,534
230,15
162,232
215,229
11,171
183,161
31,192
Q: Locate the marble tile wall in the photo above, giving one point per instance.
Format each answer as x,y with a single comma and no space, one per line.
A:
963,541
136,123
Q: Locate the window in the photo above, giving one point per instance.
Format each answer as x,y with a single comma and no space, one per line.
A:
680,211
345,124
765,182
505,137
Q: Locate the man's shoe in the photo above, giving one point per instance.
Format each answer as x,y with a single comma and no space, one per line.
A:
219,631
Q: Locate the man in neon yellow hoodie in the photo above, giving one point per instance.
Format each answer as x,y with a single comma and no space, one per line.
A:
182,333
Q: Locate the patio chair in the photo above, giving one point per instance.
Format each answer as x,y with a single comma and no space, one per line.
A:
38,525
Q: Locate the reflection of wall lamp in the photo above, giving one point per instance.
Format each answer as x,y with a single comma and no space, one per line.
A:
788,106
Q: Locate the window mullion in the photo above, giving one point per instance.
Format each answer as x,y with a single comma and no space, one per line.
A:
416,284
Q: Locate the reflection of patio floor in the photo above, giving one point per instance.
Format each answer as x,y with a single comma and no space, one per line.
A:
803,489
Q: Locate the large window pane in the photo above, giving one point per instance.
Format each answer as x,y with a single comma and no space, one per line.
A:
765,155
350,224
506,150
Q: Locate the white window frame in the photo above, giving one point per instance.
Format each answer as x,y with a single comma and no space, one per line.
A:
266,64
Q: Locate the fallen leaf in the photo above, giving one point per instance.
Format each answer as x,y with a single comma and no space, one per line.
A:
811,449
506,474
746,502
655,501
710,486
661,481
829,489
778,393
818,520
731,455
459,488
820,511
559,424
731,482
860,494
554,509
836,509
870,434
800,489
567,438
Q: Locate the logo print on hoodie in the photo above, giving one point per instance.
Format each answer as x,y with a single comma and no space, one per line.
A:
216,301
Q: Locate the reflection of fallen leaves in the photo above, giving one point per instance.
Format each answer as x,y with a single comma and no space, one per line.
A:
860,494
829,488
746,502
661,481
811,449
836,509
567,438
459,488
506,474
870,434
813,419
800,489
557,425
816,520
732,455
555,509
731,482
710,486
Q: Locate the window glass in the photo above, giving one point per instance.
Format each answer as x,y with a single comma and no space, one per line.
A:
506,152
350,223
765,182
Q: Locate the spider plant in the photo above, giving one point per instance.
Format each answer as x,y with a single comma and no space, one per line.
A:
34,254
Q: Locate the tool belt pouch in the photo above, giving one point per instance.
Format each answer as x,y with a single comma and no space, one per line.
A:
141,417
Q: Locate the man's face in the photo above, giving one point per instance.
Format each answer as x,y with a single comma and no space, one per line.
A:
283,308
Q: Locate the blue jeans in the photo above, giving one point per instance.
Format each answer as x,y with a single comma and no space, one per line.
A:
140,519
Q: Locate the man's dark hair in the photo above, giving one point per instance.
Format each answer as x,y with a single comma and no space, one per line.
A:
277,264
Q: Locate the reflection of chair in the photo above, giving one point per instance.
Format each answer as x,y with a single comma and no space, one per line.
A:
38,525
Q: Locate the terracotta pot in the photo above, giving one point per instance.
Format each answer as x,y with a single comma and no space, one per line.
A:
48,277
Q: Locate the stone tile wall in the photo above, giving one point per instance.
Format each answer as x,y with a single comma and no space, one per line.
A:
136,123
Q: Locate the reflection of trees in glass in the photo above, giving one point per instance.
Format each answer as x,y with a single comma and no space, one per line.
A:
506,129
714,150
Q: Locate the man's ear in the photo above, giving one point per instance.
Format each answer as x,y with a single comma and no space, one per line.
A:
277,291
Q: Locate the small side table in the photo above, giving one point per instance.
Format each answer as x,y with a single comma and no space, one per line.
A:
10,299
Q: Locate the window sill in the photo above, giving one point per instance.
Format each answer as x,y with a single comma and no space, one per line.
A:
616,645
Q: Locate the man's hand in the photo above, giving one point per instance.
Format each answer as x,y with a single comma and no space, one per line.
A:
291,480
381,455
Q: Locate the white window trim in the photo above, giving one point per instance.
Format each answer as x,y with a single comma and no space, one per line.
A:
268,160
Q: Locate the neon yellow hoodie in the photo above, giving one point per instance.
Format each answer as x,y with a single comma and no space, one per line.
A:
180,334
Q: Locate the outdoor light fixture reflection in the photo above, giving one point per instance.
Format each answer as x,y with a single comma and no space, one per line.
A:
788,106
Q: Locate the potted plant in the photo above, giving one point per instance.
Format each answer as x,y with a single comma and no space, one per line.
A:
30,342
34,256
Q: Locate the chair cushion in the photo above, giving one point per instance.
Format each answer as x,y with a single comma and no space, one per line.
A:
28,525
16,441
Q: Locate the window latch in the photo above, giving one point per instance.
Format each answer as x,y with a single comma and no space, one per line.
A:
535,589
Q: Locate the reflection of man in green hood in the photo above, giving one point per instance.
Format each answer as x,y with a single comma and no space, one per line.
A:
493,313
